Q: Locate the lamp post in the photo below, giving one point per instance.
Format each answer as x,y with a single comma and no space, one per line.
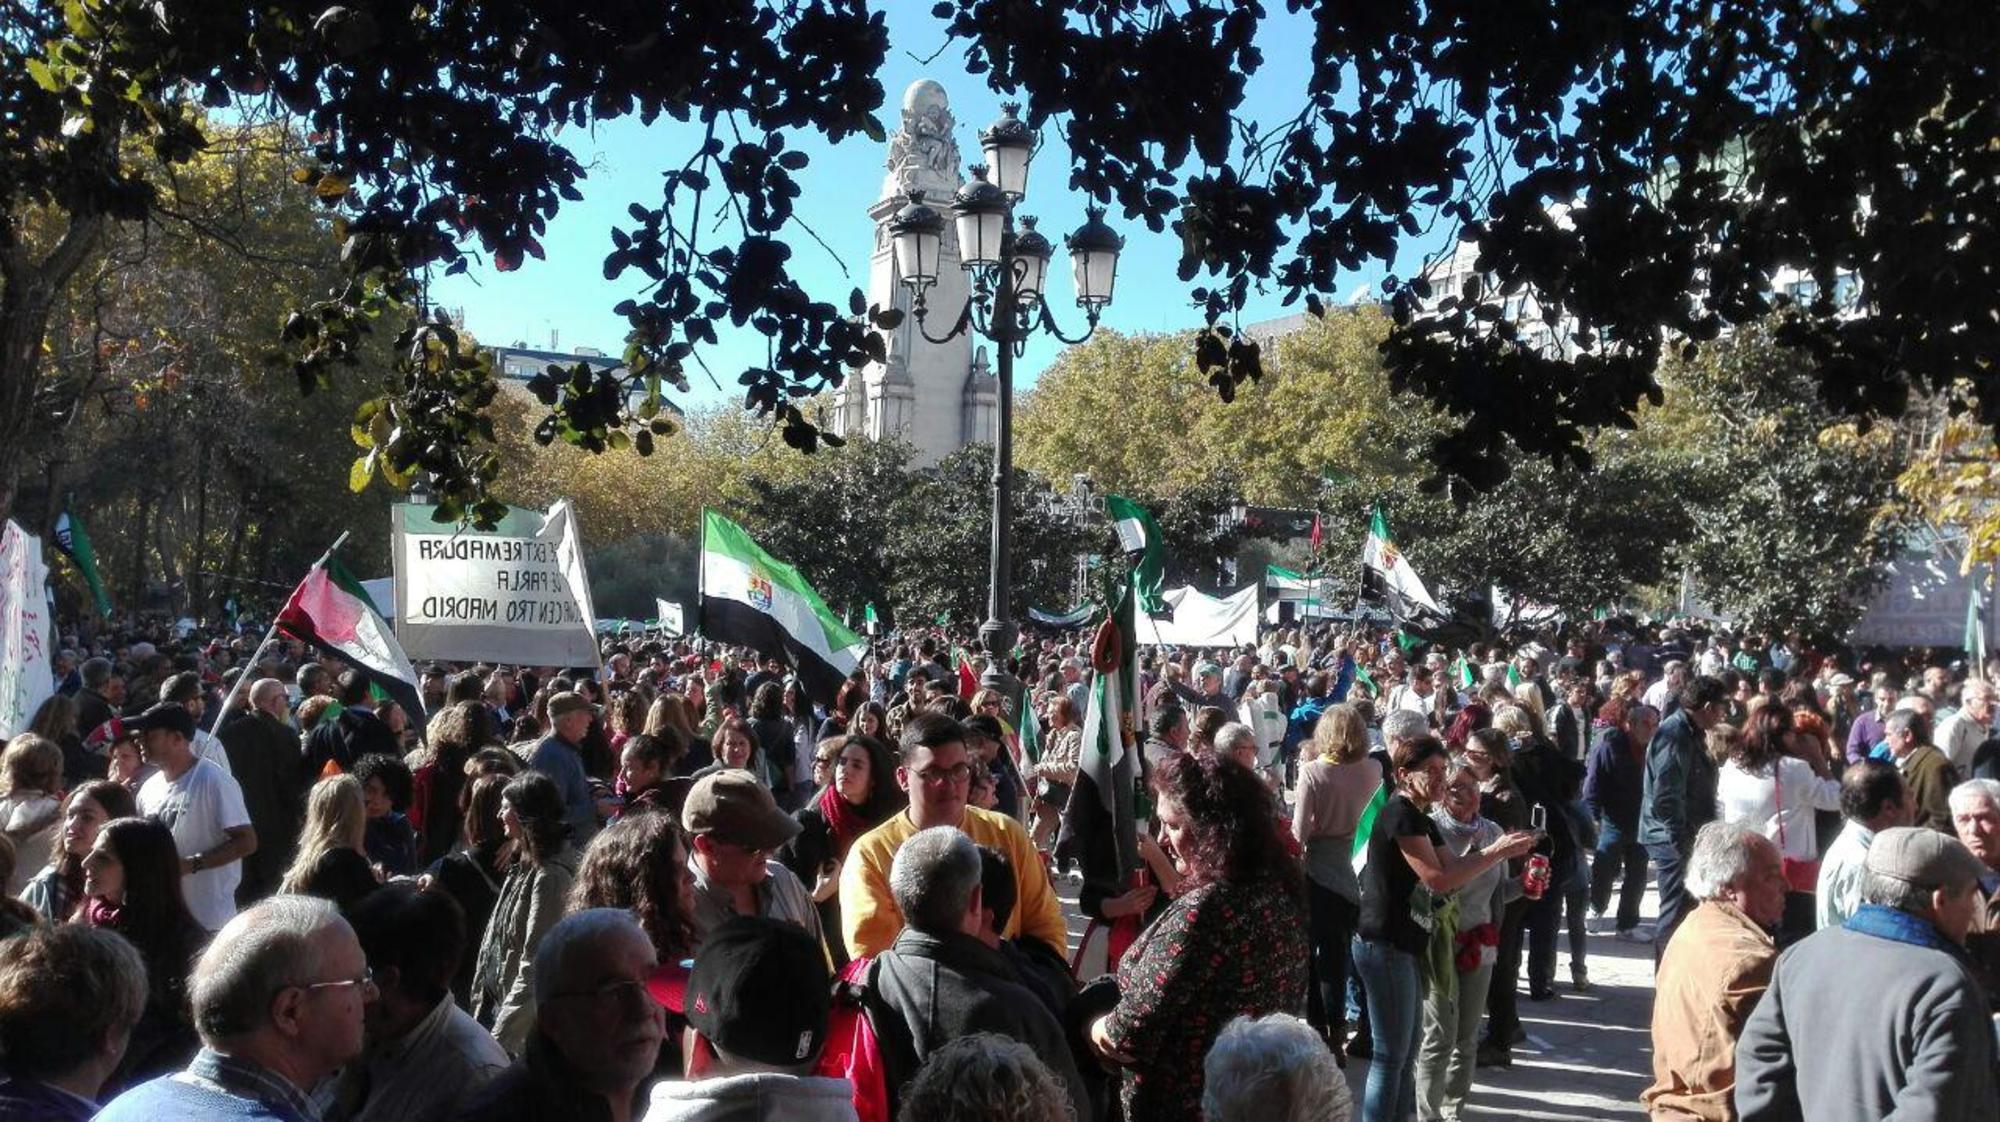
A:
1007,305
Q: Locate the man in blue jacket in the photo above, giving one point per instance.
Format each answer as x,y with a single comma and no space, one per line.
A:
1679,796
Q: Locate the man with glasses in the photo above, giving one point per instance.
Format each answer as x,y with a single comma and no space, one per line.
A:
278,997
935,770
734,826
1679,797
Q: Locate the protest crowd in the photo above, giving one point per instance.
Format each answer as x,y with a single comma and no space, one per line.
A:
681,886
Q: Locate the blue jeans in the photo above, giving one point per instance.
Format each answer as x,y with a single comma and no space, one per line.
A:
1395,1014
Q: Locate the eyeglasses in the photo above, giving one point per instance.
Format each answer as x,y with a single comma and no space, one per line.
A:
939,777
365,981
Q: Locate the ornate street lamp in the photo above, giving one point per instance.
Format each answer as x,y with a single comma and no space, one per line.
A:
1007,304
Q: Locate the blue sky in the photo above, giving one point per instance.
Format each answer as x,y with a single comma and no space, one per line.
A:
567,294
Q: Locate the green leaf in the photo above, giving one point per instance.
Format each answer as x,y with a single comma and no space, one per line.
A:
43,74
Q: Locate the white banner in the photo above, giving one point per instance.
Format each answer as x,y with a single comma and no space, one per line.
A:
1201,620
517,594
670,617
27,670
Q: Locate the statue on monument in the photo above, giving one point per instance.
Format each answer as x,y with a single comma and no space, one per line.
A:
923,151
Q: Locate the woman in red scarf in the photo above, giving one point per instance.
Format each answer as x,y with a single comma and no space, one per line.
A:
861,796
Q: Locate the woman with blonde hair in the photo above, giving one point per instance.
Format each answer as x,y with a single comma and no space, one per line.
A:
332,863
1335,787
31,789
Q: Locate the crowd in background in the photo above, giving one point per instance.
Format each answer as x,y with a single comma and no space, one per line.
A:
678,886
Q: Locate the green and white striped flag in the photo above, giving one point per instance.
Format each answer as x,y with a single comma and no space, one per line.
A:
1366,826
752,598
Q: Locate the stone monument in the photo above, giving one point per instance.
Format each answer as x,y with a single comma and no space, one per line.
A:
937,398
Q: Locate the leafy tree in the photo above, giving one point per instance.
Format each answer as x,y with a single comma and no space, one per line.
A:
1712,141
940,539
836,521
1785,501
159,412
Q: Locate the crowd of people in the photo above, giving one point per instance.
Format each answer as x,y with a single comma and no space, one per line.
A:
244,884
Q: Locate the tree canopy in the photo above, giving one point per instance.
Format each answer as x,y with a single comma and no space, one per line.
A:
1705,144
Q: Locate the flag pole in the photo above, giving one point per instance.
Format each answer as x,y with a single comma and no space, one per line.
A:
243,673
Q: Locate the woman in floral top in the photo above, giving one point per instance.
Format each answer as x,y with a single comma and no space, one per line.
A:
1233,943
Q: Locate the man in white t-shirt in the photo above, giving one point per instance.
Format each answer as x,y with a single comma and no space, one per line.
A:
184,690
202,806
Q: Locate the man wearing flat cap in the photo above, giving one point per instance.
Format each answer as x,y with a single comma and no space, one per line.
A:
1882,1016
560,757
734,827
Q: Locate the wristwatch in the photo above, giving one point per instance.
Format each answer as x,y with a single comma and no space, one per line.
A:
197,861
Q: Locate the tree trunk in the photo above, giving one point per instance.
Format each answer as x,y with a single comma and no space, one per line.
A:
236,527
135,580
197,584
28,293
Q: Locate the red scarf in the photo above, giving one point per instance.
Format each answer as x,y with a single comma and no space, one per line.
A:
98,912
841,817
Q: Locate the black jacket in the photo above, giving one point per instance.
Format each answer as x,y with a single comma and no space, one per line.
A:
1548,780
1680,783
540,1088
925,992
347,738
264,756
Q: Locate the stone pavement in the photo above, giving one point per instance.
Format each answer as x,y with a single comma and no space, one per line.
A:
1587,1056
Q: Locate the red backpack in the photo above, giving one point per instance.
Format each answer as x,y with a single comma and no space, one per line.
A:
852,1052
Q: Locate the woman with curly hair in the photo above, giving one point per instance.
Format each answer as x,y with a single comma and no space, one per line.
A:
132,885
985,1078
861,796
640,864
55,890
1232,942
626,716
440,776
385,795
503,994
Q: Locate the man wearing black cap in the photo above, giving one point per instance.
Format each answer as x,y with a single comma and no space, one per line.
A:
758,1003
1882,1016
202,806
734,826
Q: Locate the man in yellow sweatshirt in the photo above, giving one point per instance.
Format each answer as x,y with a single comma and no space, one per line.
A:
936,772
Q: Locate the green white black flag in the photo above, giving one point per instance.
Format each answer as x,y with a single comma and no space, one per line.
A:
752,598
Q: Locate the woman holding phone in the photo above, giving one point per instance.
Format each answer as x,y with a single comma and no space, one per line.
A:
1408,867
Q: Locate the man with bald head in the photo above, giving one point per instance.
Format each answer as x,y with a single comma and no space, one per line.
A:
264,757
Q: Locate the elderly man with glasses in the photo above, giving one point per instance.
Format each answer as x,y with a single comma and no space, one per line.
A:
935,770
278,997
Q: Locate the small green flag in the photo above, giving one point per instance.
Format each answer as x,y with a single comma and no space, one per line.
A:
1138,533
1361,675
1031,735
1465,678
1513,676
75,545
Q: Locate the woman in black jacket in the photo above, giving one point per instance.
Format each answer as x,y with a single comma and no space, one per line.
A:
776,737
1548,782
861,796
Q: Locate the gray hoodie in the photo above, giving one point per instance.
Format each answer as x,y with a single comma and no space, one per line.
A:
753,1098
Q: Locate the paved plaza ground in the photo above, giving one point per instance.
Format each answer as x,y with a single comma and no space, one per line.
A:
1587,1056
